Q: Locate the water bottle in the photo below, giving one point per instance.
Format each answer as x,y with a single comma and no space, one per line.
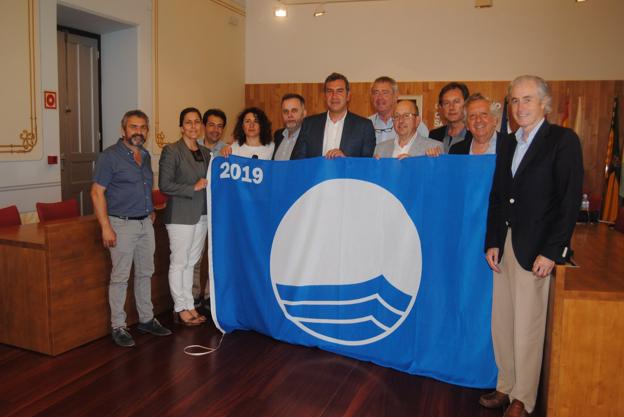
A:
585,203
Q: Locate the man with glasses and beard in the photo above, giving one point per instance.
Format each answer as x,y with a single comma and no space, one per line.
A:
122,199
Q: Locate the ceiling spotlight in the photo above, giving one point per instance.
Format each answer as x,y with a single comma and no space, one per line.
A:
319,10
280,10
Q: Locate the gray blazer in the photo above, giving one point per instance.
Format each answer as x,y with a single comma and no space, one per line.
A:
418,148
178,173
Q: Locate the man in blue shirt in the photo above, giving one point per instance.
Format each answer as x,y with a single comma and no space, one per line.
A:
122,199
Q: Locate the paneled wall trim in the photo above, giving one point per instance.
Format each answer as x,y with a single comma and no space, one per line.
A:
19,76
596,98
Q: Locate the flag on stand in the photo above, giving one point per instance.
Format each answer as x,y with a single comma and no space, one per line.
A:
613,165
504,127
565,119
578,121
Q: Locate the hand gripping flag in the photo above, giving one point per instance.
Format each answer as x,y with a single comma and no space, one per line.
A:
380,260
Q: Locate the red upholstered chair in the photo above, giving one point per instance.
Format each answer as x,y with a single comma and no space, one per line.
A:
619,223
9,216
61,210
159,199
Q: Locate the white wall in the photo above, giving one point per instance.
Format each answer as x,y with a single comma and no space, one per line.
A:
25,182
128,85
439,40
120,81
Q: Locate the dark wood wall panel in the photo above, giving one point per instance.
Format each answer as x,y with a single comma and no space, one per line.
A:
597,99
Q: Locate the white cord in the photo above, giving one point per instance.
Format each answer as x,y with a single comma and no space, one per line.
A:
199,350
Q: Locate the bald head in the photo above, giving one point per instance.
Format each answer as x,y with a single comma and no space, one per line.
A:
406,119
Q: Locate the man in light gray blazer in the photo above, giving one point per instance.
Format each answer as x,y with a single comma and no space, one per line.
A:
408,142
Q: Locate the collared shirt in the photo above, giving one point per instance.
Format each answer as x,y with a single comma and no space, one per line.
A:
128,185
332,133
491,150
398,149
286,145
449,141
522,147
385,130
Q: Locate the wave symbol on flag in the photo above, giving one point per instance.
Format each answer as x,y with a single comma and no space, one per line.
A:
346,262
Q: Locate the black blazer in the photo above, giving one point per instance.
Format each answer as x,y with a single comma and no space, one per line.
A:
278,136
358,137
542,201
463,147
440,132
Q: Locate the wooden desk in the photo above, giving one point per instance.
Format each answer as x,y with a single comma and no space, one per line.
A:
54,284
584,356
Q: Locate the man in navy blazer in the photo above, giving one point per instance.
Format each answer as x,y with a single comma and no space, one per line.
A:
338,132
534,202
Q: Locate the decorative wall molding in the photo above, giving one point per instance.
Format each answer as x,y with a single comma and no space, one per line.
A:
231,7
159,135
28,137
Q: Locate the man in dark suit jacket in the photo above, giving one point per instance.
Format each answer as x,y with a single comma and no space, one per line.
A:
293,112
338,132
451,105
534,202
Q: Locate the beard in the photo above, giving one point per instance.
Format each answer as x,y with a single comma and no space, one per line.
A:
136,140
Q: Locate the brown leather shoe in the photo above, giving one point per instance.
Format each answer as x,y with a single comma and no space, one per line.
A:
494,399
516,409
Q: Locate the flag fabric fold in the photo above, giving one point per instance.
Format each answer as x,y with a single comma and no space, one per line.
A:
613,166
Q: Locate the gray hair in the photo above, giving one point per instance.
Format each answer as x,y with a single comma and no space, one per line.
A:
494,109
389,80
133,113
543,89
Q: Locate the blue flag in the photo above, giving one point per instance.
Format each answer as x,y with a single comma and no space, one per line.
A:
380,260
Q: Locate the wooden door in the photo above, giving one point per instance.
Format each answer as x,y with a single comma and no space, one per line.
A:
79,114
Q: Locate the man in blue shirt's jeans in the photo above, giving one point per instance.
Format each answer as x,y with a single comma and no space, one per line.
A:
122,198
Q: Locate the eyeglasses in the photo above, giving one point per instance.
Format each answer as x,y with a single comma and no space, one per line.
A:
404,116
385,130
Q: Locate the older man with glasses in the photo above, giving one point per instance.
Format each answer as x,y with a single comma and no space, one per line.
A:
408,142
384,95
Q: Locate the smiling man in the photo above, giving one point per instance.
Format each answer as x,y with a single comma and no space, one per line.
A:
451,105
122,199
408,142
384,95
481,120
214,121
338,132
293,112
534,202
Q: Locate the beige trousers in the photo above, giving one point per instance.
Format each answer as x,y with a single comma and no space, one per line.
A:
519,307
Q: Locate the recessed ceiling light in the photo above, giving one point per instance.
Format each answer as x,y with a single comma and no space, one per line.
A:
319,10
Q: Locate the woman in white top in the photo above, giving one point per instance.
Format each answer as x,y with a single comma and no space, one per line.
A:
252,136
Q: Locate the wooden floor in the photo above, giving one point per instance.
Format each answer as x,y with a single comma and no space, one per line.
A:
250,375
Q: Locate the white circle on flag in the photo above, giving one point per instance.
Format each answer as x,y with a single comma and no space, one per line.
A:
346,262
